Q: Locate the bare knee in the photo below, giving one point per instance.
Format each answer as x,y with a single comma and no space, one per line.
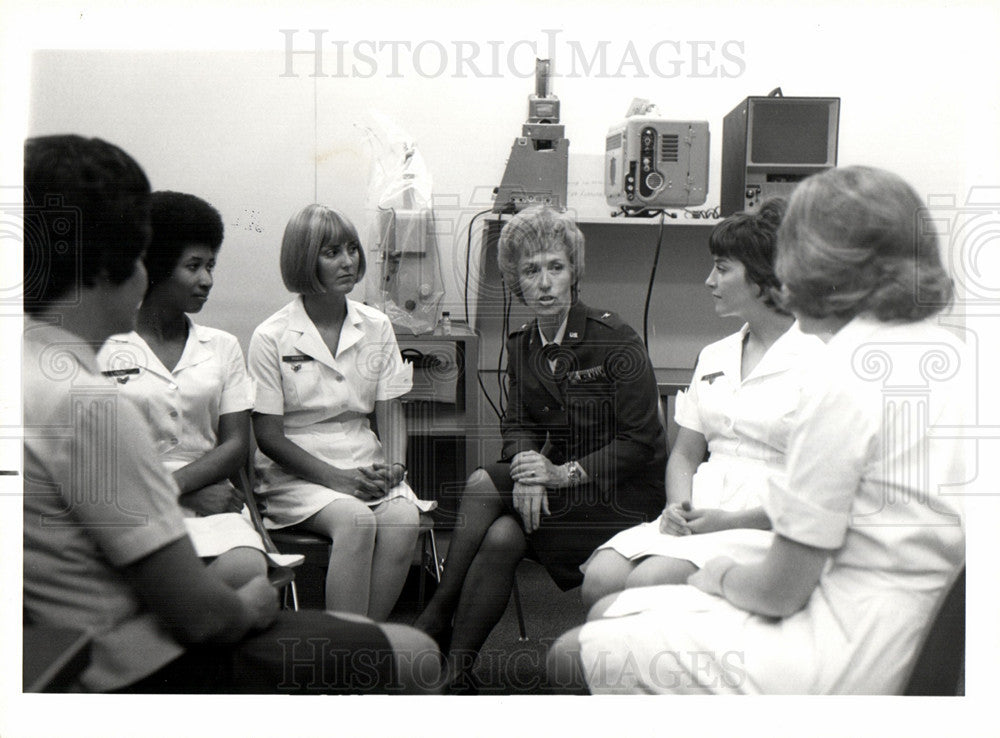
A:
349,522
606,573
416,657
398,528
504,540
238,566
397,513
658,570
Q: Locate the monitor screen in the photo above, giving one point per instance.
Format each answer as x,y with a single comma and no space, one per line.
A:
790,132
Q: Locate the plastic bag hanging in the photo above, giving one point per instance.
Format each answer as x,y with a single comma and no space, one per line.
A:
404,275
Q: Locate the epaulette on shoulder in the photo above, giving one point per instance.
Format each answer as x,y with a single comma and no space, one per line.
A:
608,318
518,331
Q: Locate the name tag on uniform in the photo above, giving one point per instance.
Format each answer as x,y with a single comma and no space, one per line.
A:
296,360
712,377
121,375
593,374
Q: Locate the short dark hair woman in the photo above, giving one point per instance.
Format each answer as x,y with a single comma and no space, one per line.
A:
739,409
868,524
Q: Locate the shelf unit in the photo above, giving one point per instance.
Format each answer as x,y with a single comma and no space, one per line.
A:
442,416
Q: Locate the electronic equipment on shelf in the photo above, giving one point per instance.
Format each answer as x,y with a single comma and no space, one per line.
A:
654,163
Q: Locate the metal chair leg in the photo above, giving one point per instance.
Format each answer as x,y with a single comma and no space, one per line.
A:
437,560
518,611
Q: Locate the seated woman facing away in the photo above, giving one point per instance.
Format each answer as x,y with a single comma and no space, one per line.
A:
191,385
867,520
322,365
739,407
583,448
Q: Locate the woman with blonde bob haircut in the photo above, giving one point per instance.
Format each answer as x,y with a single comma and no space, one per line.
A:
305,235
322,364
868,520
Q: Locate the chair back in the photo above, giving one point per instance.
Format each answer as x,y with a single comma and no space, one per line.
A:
940,666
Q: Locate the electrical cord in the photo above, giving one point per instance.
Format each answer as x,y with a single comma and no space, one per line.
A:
649,288
465,297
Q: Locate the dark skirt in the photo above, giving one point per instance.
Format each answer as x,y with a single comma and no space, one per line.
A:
580,519
307,652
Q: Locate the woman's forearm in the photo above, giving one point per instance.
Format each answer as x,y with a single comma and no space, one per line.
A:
685,458
221,462
778,586
754,518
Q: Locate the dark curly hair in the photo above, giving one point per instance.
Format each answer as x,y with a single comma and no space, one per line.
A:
751,239
86,210
858,240
179,220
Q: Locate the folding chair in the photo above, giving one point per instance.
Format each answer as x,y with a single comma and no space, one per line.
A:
282,577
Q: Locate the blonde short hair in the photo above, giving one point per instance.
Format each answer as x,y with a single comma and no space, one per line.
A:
537,230
857,240
308,231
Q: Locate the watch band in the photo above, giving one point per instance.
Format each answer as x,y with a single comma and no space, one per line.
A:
573,473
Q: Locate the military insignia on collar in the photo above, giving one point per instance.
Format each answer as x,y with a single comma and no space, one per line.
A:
712,377
574,334
606,315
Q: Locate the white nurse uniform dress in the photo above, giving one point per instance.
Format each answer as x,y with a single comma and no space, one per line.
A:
325,400
746,422
876,478
182,407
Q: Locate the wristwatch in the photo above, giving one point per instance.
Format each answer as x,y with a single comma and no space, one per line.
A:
573,473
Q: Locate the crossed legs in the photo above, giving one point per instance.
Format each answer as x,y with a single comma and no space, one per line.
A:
478,575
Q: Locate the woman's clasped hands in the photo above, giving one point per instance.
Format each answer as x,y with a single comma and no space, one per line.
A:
680,519
373,482
532,474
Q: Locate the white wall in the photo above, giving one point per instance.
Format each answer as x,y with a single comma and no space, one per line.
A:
918,91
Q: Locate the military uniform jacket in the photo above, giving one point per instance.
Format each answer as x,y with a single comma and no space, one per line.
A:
592,399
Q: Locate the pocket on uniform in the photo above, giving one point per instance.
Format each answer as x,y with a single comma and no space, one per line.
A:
300,382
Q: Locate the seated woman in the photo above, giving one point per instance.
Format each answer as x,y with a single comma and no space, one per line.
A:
583,448
105,546
322,365
191,384
739,408
868,526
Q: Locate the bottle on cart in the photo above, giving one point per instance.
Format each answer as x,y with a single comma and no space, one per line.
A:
444,325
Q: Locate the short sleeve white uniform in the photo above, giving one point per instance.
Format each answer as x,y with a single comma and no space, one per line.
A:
746,423
182,407
95,501
875,475
325,399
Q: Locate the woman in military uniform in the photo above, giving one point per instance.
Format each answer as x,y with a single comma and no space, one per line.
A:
584,452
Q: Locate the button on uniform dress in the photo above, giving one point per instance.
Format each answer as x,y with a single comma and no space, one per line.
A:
325,400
